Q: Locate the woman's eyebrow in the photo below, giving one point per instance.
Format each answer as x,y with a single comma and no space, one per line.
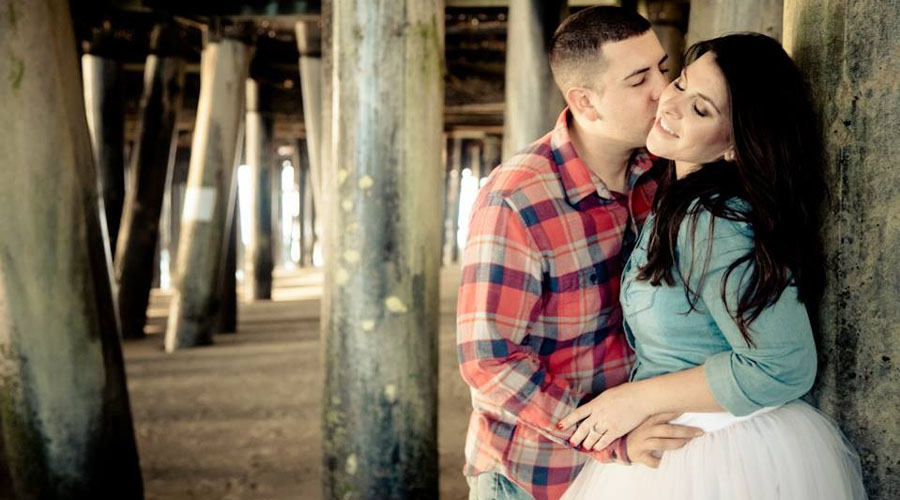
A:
702,96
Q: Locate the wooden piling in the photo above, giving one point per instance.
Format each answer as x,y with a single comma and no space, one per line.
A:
383,258
64,411
223,73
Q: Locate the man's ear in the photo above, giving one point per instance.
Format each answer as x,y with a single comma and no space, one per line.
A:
579,100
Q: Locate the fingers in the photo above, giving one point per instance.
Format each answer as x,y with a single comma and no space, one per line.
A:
607,440
646,459
657,444
572,418
580,433
592,439
663,418
674,431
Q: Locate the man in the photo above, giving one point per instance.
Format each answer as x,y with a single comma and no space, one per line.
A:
539,326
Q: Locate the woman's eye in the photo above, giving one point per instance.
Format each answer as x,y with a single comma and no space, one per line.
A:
638,84
677,84
697,110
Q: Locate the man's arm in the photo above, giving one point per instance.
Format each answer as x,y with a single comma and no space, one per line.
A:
499,297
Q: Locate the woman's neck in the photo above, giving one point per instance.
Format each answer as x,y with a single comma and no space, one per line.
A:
683,168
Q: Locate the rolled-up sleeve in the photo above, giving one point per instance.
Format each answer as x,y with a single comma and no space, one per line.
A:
780,365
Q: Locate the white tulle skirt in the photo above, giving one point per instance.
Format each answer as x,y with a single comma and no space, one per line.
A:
791,452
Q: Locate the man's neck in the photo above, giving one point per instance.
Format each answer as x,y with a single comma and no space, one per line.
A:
608,159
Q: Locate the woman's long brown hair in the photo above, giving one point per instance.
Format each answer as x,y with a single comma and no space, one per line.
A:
777,172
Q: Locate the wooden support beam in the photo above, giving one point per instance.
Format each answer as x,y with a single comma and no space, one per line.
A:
451,200
213,160
383,255
65,417
260,151
668,20
849,53
712,18
152,161
309,43
104,101
533,101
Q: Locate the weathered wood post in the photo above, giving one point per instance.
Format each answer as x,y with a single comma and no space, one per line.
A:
490,154
104,101
850,53
259,258
276,209
309,43
533,101
668,20
450,253
151,166
304,192
224,67
383,258
712,18
175,189
227,313
65,416
321,219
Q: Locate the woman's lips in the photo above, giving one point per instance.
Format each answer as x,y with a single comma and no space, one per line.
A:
664,130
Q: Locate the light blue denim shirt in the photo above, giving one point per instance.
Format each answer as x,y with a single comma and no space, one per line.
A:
666,337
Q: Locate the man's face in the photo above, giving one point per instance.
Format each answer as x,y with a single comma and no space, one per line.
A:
625,93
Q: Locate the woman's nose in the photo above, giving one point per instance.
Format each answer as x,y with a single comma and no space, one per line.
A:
668,106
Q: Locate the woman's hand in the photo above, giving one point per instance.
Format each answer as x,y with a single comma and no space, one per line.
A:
609,416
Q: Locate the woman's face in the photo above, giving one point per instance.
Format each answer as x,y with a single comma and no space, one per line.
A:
693,120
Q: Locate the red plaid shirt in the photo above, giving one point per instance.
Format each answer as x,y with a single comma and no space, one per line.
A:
539,326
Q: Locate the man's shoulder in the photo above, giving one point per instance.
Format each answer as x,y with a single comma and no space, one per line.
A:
529,174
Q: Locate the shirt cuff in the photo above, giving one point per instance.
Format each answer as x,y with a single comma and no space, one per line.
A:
724,386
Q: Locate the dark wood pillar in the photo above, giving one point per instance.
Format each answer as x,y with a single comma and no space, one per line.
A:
669,23
490,154
224,67
176,189
712,18
227,313
260,149
65,417
104,101
309,43
533,101
276,210
849,53
151,165
383,253
451,200
321,220
304,195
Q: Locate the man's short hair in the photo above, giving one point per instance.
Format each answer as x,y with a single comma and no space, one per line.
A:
578,40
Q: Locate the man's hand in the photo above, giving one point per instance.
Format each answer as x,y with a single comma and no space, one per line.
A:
648,441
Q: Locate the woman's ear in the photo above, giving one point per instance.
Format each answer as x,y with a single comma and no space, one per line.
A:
730,154
579,100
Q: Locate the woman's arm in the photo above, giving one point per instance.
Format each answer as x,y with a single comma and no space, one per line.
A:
778,368
620,409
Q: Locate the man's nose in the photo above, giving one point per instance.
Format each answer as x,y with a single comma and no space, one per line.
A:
659,85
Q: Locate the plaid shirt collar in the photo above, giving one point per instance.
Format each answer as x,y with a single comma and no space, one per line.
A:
578,180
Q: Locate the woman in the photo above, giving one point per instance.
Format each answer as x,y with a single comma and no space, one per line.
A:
715,294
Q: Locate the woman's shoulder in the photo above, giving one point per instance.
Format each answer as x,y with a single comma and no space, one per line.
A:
723,221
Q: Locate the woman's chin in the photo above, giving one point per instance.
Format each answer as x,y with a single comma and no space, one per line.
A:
654,148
